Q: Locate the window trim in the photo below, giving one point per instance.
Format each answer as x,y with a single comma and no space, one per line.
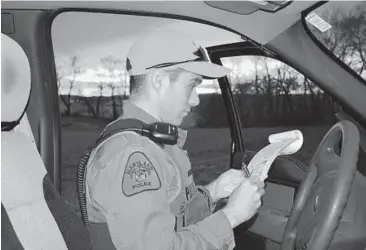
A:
226,94
249,49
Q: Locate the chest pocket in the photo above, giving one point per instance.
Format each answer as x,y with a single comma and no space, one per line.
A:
191,205
196,208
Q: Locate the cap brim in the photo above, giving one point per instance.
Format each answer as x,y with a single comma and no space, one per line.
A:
206,69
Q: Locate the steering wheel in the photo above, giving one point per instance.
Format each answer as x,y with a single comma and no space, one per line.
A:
323,194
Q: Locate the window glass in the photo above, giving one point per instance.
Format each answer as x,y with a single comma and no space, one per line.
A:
273,97
341,27
90,51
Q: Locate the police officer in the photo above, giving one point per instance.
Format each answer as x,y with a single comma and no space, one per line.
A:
141,195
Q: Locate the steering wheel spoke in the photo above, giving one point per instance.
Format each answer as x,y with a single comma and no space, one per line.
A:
323,194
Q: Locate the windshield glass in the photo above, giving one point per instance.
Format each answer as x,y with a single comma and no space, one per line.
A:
341,27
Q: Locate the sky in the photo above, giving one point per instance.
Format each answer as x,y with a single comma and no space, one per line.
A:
92,36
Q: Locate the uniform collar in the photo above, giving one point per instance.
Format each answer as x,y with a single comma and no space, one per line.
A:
130,110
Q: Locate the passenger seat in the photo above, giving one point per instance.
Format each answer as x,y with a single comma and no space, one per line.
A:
34,215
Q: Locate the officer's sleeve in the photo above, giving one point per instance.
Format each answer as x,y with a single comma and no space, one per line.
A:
138,212
207,196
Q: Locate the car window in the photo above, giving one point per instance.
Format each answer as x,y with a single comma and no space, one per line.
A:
341,27
273,97
90,52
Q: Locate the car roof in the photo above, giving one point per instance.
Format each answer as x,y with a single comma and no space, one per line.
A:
260,26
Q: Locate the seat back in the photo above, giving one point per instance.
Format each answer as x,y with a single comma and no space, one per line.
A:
35,212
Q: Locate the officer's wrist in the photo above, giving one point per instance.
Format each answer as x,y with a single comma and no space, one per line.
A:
233,220
206,193
211,189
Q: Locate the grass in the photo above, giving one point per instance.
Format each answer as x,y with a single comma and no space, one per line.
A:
209,149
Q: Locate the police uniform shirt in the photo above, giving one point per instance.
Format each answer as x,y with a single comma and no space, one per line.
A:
147,197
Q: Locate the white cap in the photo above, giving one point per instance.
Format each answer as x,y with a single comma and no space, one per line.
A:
171,50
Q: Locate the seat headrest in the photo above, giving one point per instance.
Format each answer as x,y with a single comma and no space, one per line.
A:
15,80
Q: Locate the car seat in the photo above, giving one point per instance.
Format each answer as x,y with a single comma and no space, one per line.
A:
34,215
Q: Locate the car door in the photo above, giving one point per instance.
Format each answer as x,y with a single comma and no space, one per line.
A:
267,96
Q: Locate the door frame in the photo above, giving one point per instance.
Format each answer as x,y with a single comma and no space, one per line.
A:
248,48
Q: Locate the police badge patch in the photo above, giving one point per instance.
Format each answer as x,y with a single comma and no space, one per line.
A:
140,175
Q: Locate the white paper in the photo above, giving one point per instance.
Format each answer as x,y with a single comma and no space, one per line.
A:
280,144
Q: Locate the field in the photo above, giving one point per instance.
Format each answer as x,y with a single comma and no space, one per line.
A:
208,148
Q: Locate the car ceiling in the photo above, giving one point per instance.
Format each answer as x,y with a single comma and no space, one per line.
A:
259,26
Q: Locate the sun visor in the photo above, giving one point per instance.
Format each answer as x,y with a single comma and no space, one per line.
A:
248,7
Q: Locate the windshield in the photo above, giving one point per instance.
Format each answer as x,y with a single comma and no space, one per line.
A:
341,28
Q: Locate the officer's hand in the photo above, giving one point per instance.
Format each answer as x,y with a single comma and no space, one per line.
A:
244,202
223,186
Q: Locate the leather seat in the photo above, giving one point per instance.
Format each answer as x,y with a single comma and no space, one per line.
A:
34,215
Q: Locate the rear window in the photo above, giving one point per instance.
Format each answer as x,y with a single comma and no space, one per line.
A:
341,27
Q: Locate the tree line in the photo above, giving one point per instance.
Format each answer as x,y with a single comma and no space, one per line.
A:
274,94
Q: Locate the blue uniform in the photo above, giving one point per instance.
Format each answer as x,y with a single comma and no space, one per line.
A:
144,196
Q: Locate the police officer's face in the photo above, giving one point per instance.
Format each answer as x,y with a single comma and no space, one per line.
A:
180,97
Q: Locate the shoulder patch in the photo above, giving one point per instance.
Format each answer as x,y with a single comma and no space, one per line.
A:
140,175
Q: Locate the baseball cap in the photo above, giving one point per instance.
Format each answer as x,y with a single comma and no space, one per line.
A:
171,50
